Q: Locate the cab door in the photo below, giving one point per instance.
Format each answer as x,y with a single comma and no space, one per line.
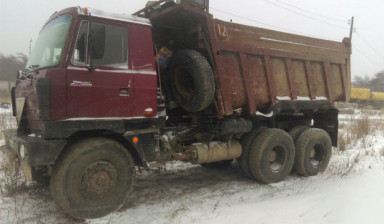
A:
99,81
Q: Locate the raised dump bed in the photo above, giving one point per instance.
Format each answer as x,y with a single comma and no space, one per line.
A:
256,68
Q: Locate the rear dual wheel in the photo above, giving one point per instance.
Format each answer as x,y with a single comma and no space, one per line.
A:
271,156
313,152
246,144
296,132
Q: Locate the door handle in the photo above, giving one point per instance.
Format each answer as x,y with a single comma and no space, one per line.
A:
124,91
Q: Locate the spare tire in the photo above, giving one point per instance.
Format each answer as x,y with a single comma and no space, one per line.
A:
192,81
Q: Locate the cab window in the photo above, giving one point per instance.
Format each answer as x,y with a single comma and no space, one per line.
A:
108,45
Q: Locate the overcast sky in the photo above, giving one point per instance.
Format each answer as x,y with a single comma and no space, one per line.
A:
21,20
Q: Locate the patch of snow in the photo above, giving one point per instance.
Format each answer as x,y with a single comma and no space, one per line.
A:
321,98
6,111
280,98
270,114
303,98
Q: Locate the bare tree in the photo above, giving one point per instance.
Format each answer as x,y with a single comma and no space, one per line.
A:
9,65
376,84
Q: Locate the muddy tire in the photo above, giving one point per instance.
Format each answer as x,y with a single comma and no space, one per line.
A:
245,145
313,152
192,81
271,156
93,178
296,132
218,165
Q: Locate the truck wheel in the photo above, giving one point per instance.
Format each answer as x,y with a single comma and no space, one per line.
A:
218,165
93,178
245,144
296,132
313,152
271,156
192,81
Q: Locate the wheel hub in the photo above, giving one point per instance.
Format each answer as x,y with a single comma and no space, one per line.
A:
313,156
184,83
276,159
98,179
272,156
312,153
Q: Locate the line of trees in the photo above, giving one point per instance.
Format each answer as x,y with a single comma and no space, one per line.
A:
9,65
375,84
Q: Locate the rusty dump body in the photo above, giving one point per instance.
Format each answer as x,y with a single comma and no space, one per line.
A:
256,68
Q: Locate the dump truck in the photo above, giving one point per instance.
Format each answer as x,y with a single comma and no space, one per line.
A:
103,93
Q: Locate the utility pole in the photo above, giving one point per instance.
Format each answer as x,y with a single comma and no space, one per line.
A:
30,47
351,32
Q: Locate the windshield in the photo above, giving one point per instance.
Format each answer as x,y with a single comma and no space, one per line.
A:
50,43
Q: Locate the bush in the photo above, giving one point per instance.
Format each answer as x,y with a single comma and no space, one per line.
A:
355,129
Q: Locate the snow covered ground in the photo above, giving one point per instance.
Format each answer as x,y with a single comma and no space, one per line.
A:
351,190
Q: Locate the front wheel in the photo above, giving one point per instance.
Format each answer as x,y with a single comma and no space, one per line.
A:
93,178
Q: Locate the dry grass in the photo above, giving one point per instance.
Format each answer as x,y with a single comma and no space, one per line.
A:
357,129
5,96
13,182
7,121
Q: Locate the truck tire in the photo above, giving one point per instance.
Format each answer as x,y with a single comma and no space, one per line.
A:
92,178
218,165
296,132
245,144
192,81
313,152
271,156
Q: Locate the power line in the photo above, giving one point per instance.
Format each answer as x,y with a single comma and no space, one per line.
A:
241,17
309,17
354,46
366,56
311,12
266,24
369,45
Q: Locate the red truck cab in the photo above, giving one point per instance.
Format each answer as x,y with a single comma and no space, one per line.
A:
90,73
102,68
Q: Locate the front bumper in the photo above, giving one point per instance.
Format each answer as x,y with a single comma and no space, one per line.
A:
33,151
